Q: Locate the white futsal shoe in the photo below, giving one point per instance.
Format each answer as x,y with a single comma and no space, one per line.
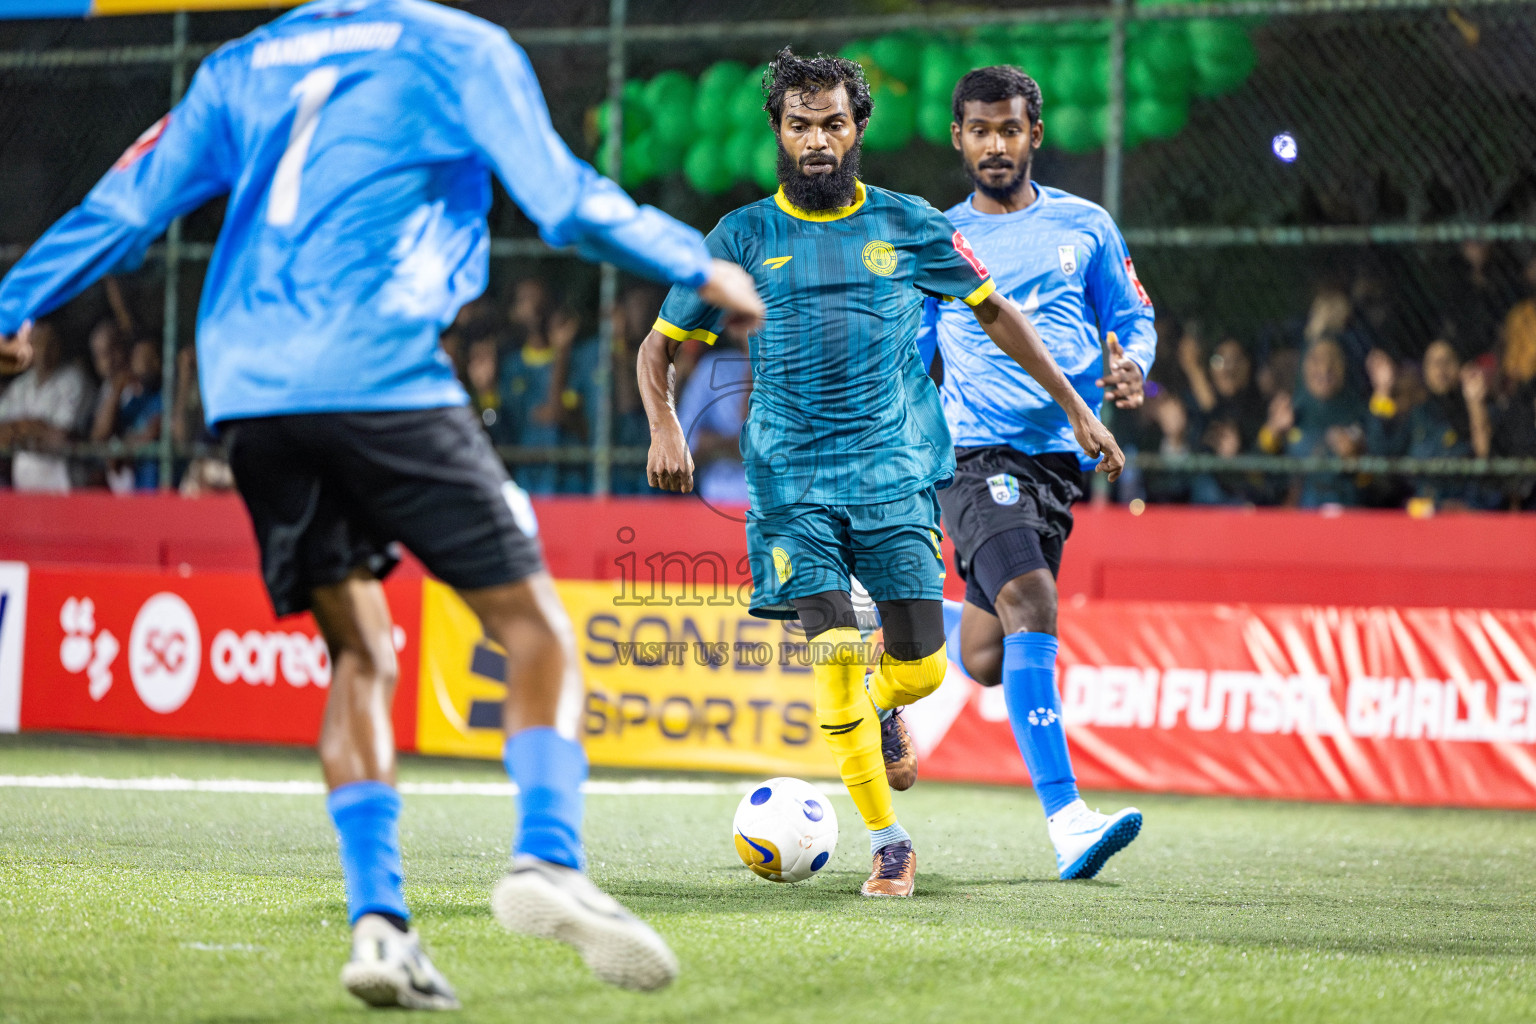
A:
551,901
388,968
1085,839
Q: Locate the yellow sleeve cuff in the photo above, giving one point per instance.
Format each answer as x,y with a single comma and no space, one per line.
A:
979,296
676,333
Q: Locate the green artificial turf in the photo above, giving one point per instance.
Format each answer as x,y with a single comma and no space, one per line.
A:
228,908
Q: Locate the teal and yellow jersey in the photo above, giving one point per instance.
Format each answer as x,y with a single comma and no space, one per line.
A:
842,411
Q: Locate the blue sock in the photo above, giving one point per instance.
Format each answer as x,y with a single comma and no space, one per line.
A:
1029,688
549,770
892,833
366,816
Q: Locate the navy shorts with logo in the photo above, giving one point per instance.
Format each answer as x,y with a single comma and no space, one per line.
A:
997,489
331,492
799,550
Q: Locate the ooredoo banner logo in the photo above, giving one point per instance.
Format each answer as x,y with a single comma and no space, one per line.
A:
201,655
164,652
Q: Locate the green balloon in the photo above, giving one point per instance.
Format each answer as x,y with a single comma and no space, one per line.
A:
765,163
741,152
636,119
898,55
673,123
934,116
1223,55
1082,75
860,51
894,121
669,145
704,167
1152,118
1035,61
942,67
670,88
1076,129
747,103
639,163
723,76
985,54
1143,79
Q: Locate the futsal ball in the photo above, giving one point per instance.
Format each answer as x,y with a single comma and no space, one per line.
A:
785,830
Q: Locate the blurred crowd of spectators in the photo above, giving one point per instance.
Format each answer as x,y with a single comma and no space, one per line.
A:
531,370
1347,380
109,396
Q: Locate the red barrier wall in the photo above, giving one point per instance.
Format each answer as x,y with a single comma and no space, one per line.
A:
1169,553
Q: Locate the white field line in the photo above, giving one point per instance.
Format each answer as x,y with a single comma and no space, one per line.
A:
175,784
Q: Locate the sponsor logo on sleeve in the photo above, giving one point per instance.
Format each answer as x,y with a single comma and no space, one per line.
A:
964,249
142,145
1130,271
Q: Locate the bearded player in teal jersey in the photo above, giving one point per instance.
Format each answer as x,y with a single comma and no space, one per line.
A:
845,442
1019,470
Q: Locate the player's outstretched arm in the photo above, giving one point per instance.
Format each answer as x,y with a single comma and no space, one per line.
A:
670,464
1012,332
180,163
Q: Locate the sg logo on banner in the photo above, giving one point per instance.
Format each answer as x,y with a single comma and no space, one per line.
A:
667,687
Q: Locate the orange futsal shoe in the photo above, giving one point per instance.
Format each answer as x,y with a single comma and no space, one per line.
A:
894,872
899,751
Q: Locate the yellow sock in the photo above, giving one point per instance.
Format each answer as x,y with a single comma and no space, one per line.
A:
849,722
899,683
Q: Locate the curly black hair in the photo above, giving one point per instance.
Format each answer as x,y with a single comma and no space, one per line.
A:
812,75
993,85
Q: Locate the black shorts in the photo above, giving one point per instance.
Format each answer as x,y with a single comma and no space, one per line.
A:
330,492
997,489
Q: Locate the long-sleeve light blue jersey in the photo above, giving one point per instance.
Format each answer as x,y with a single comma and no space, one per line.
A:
1063,262
355,139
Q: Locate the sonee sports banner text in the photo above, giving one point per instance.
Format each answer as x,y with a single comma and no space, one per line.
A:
698,687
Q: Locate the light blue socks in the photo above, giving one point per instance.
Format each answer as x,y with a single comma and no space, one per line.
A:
1034,711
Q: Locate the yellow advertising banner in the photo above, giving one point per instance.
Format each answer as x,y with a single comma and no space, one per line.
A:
699,686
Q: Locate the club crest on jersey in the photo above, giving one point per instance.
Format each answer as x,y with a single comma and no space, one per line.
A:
964,249
1068,256
143,144
1004,488
880,258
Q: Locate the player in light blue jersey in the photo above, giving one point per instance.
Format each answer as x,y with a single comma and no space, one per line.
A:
355,140
1019,469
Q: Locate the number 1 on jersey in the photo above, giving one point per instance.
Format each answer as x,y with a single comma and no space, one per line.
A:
311,91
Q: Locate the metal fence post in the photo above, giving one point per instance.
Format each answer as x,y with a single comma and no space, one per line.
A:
1114,152
608,288
172,280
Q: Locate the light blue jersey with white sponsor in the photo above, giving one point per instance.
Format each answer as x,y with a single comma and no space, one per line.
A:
1063,262
355,139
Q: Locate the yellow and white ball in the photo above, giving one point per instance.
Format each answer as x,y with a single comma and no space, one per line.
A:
785,830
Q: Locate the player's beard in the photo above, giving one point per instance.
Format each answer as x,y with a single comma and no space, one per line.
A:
1009,189
825,191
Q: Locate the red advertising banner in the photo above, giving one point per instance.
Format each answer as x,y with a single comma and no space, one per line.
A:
198,656
1407,706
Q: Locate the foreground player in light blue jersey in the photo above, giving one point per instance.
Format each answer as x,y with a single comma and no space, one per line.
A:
1019,468
355,140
